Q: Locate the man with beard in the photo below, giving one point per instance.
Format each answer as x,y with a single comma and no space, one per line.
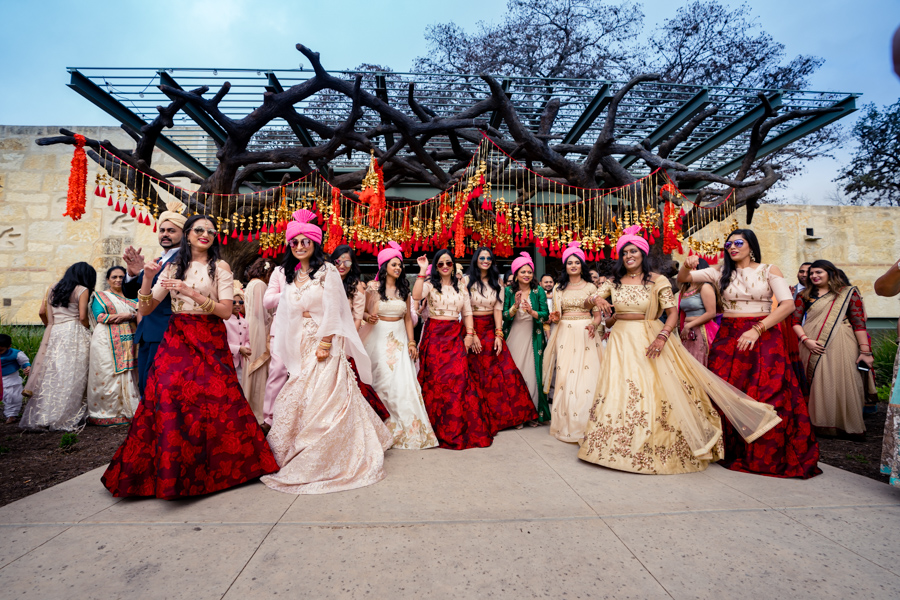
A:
802,279
151,328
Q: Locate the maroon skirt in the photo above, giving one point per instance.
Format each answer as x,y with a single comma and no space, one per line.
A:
369,394
452,403
765,374
193,433
504,394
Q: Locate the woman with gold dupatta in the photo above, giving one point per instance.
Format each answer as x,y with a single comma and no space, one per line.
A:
653,412
833,342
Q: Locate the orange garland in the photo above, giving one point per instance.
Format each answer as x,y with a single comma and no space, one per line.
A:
76,196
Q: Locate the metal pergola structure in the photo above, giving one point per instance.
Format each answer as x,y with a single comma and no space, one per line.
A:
649,113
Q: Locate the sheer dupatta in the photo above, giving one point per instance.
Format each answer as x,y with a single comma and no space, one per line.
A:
39,364
751,419
325,300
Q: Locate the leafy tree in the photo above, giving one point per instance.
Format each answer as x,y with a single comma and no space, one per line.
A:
873,176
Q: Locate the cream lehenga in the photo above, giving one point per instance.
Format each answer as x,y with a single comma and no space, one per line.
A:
325,436
394,373
574,358
654,415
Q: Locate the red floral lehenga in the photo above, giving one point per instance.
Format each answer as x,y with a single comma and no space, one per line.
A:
765,373
453,405
496,378
369,393
194,432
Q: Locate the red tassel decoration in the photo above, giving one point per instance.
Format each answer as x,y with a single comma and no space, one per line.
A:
118,208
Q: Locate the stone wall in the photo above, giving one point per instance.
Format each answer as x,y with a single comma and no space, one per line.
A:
37,243
863,241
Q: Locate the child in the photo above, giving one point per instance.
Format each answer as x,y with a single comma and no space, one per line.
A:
12,360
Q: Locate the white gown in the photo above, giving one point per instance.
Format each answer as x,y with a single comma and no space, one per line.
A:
394,378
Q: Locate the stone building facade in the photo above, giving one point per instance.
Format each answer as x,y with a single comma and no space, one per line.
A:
37,243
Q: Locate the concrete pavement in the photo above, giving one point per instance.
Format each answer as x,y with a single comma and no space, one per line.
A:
521,519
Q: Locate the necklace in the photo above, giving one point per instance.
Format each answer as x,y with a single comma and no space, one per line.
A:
633,275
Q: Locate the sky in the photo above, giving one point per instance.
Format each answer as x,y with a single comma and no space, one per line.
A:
43,37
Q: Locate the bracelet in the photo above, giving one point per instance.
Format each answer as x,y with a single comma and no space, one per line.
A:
421,276
804,338
145,298
411,344
324,344
498,333
665,332
865,354
208,305
759,329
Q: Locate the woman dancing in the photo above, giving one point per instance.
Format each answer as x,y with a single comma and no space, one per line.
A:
193,432
389,342
453,405
58,380
504,394
344,259
524,313
574,351
112,394
325,436
653,412
750,353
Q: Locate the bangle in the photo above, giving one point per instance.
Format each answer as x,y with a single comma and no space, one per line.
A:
865,354
759,328
421,276
208,305
498,333
411,344
146,298
664,332
804,338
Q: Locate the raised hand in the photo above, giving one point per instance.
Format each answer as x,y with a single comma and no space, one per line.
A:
692,262
152,267
134,261
422,261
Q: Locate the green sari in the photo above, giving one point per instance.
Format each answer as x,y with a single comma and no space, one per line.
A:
539,304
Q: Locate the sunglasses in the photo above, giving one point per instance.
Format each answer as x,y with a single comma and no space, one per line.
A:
240,302
444,264
304,243
346,263
735,243
484,259
202,230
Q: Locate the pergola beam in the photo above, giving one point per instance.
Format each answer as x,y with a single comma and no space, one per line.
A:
590,114
804,128
197,114
681,116
274,86
103,100
737,127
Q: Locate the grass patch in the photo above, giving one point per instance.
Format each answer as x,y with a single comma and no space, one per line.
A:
884,350
860,458
26,338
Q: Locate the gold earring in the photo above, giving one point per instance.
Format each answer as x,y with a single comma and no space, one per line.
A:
752,257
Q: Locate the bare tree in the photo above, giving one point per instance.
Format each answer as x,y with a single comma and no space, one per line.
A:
402,141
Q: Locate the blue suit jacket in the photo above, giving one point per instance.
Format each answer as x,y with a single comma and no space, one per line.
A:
153,326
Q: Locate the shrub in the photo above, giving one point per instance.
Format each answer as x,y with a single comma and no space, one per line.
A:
884,350
68,440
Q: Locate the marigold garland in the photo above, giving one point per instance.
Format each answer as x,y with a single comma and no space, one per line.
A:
76,198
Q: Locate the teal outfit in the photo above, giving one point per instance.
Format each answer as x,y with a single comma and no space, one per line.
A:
538,299
890,455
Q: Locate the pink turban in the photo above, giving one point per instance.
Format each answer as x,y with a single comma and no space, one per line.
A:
392,251
301,226
631,237
523,259
574,248
428,271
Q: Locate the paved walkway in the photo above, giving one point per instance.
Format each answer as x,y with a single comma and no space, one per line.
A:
521,519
